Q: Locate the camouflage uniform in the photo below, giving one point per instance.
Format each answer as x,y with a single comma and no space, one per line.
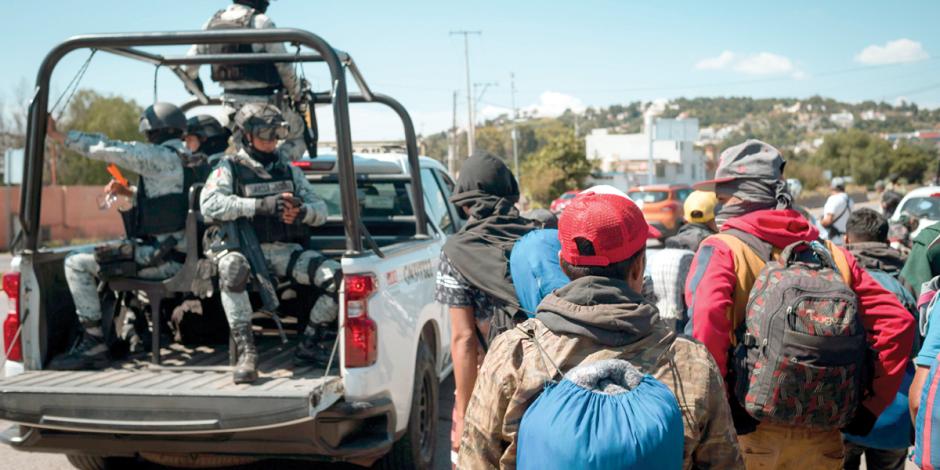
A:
162,172
514,374
218,202
294,146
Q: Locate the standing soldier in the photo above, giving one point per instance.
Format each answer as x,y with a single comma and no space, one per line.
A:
154,226
258,183
271,83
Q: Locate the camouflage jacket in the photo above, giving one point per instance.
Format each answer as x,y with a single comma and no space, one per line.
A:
514,374
219,202
160,166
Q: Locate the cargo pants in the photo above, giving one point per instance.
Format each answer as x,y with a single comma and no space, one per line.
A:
776,447
236,303
81,274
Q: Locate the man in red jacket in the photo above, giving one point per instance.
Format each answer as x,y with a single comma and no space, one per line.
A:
753,198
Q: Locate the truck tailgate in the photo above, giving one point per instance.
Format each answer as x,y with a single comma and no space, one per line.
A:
134,398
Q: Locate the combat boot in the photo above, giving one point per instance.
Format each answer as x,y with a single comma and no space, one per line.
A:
91,352
246,368
315,347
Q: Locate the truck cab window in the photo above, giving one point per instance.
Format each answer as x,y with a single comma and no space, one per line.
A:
437,206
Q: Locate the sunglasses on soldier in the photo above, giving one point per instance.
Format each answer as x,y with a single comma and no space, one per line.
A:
271,133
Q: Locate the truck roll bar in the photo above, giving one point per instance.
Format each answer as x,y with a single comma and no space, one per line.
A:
125,45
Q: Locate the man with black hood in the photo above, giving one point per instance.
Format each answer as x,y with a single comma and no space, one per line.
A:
599,315
473,278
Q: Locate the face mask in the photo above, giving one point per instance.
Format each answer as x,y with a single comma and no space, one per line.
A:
264,158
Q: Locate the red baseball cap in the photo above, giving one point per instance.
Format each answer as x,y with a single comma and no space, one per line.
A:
612,223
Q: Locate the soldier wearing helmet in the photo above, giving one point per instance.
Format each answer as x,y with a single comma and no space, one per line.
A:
699,215
154,223
271,83
206,135
257,182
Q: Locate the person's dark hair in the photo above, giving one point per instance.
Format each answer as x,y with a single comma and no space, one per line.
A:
618,270
890,201
866,225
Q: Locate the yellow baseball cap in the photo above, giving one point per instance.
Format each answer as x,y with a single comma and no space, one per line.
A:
699,207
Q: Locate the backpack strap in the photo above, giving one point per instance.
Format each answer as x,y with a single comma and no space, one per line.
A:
763,249
530,333
841,262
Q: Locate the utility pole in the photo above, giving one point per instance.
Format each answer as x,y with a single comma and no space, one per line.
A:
471,132
515,133
452,145
482,86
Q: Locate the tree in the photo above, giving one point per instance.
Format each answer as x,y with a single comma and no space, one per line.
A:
864,157
559,166
89,111
913,162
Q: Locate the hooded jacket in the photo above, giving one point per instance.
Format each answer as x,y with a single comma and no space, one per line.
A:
588,320
689,237
924,261
714,284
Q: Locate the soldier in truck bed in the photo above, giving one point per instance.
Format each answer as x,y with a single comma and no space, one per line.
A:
154,225
276,84
257,182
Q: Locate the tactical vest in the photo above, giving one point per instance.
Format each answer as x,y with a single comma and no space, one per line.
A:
264,73
248,184
164,214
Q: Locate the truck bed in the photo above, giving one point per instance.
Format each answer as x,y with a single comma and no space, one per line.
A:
135,396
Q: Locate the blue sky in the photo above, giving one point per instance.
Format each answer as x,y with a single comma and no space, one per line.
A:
584,53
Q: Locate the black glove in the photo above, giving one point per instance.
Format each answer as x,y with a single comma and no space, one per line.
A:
744,423
269,205
862,423
300,216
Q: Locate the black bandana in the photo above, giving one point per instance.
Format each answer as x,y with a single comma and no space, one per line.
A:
755,195
480,251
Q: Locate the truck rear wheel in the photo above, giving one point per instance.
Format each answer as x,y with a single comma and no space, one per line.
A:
95,462
416,448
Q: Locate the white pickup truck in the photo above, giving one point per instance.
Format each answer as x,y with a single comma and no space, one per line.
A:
376,403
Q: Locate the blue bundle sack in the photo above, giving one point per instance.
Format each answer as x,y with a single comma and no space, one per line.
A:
602,415
535,269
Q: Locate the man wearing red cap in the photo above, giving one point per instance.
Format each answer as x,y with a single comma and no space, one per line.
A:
757,221
599,315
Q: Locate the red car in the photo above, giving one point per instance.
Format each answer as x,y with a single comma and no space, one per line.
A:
559,204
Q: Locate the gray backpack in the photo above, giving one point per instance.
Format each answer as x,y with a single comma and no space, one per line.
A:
801,358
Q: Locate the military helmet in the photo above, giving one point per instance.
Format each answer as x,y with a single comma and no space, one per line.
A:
160,116
261,120
204,126
260,5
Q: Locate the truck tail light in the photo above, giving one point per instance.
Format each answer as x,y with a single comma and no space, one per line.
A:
361,332
12,342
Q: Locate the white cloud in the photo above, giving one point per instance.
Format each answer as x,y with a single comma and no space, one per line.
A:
493,112
715,63
764,63
554,104
893,52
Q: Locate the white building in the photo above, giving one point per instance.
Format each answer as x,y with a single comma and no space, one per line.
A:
843,119
623,157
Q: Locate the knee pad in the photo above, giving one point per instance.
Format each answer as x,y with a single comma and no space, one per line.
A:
233,272
326,275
